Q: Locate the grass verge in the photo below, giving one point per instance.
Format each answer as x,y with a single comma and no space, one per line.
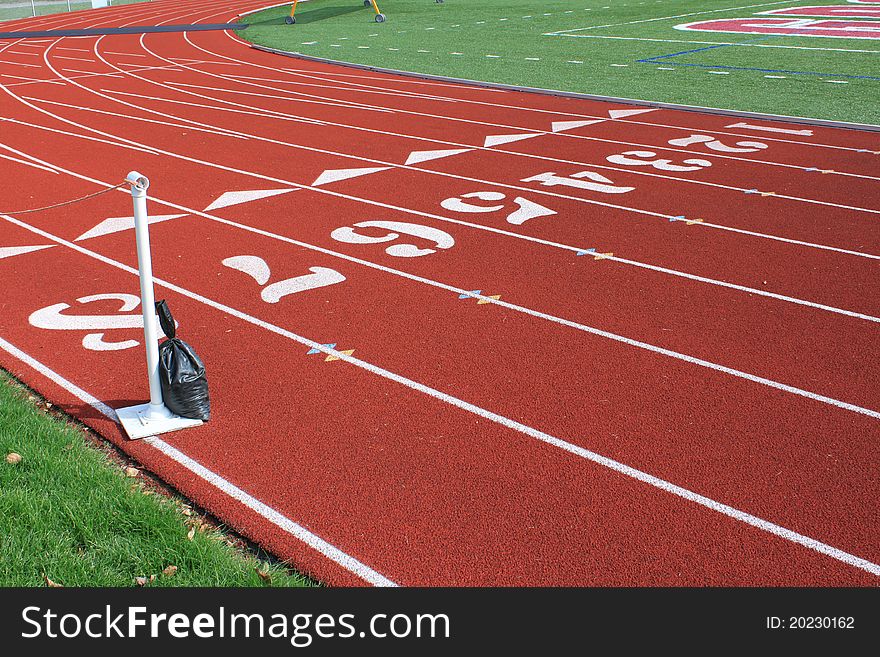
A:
74,512
627,49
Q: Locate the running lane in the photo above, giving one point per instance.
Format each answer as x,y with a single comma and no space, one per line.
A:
667,385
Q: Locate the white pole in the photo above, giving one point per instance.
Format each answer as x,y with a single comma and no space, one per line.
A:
68,6
154,417
33,8
139,186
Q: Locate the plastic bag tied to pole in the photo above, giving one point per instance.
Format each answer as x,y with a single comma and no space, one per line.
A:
182,372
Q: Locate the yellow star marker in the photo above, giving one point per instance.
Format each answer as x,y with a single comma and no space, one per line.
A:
691,222
333,357
602,256
494,297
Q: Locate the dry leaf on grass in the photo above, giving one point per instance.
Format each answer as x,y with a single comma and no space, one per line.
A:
140,581
13,458
132,472
192,532
51,584
169,571
266,577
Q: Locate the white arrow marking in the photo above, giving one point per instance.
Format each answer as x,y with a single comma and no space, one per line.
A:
424,156
495,140
559,126
117,224
234,198
9,251
619,114
335,175
528,210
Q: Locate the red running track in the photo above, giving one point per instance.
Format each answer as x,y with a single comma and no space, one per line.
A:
662,370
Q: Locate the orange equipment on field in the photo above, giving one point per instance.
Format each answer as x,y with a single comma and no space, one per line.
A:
380,17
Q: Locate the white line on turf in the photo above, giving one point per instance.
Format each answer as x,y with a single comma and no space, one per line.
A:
301,73
709,43
665,18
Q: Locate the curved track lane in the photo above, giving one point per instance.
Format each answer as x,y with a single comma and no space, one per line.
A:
455,335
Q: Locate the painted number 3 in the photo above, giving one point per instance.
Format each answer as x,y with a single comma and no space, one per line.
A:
643,158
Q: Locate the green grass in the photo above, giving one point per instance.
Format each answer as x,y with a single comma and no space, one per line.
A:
422,36
68,512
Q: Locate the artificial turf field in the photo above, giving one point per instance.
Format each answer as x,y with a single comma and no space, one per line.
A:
624,49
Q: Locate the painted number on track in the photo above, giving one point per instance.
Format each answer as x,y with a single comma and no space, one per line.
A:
525,209
589,180
53,318
393,231
256,268
715,145
643,158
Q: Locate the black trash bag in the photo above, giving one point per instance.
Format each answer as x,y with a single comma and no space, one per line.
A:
182,373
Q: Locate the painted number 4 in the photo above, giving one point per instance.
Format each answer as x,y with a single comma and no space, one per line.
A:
589,180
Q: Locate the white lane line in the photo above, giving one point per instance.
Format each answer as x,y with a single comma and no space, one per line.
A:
527,311
86,74
708,43
490,229
279,520
447,174
544,192
39,80
666,18
301,73
621,468
708,224
27,163
75,59
222,133
134,147
4,62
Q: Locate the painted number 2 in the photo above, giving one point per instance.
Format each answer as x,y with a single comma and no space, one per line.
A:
715,145
257,269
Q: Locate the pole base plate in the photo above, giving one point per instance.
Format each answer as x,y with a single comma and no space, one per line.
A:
142,420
